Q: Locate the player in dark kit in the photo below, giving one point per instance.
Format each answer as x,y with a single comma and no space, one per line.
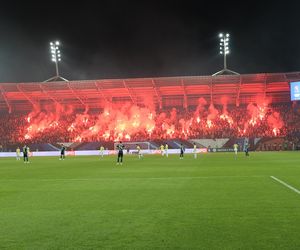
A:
25,154
247,149
62,153
182,149
120,148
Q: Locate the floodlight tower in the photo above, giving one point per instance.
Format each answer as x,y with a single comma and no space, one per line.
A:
224,50
55,57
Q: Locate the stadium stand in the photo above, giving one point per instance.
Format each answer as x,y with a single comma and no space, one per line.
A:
204,109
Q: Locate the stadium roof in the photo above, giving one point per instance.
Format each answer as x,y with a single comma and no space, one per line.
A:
164,92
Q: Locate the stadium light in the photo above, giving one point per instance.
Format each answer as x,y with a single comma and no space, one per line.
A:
224,50
56,58
224,47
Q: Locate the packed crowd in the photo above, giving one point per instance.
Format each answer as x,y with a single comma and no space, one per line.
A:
280,120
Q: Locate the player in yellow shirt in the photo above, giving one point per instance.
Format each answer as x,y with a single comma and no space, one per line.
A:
166,150
235,148
18,152
195,151
101,151
162,149
138,148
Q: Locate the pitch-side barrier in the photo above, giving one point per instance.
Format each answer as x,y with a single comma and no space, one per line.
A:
97,152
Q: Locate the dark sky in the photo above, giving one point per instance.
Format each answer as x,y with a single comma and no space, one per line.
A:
114,39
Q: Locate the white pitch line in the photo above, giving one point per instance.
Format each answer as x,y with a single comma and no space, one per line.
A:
285,184
142,178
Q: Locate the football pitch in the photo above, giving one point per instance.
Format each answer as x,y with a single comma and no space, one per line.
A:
212,202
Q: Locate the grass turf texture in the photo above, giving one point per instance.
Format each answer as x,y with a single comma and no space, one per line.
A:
213,202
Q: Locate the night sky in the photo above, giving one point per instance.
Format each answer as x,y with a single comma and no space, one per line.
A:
146,39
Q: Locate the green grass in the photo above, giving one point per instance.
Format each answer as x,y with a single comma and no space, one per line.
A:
214,202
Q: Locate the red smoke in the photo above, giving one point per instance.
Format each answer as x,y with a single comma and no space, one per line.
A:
129,121
275,122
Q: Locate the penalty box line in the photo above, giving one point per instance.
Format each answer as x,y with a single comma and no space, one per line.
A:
285,184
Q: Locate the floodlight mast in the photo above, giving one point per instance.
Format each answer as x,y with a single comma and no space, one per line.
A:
224,50
55,52
55,57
